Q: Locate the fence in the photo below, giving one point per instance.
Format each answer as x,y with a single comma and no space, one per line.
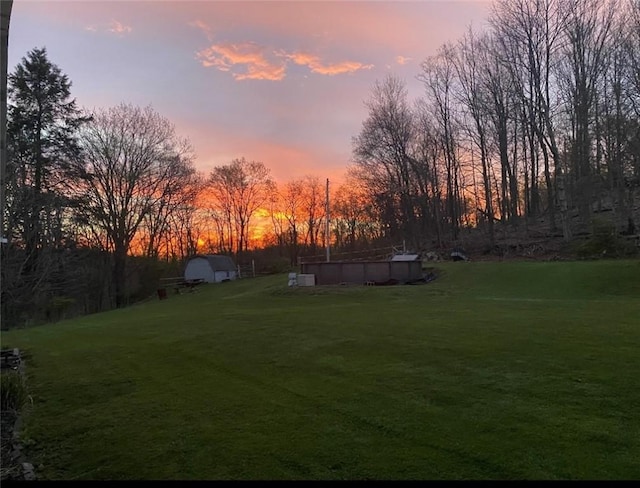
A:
374,254
247,270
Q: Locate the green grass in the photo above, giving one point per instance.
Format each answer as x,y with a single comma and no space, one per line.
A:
493,371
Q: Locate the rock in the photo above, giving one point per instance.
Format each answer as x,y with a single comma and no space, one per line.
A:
28,473
432,256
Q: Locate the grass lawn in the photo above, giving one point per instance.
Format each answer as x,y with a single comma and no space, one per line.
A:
516,370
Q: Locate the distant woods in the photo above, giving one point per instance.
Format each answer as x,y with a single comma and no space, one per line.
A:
529,128
535,118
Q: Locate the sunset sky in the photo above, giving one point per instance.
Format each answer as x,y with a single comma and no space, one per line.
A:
279,82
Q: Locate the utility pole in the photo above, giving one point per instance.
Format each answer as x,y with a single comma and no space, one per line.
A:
327,235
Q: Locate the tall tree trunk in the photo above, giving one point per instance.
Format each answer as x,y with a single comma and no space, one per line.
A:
5,16
120,275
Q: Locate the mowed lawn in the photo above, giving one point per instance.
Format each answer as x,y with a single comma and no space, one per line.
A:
516,370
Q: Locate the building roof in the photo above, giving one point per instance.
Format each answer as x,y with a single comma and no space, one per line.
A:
217,262
406,257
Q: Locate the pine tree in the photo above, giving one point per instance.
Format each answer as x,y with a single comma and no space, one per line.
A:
43,122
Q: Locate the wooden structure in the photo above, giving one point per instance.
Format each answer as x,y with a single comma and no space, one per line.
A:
364,272
178,284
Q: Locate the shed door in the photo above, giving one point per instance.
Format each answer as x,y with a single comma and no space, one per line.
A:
222,275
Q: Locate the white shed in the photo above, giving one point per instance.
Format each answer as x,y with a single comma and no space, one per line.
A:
211,268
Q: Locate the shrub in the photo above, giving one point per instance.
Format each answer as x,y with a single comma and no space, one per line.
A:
13,391
274,266
605,242
57,307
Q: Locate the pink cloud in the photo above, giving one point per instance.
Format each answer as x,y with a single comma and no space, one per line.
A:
115,27
119,28
317,66
402,59
226,55
203,26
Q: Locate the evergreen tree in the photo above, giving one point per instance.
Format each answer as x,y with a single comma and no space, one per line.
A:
42,122
41,140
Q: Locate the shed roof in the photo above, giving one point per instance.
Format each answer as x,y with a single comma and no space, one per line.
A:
406,257
217,262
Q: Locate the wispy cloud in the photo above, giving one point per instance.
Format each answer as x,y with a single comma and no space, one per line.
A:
115,27
402,59
203,26
315,64
226,56
119,28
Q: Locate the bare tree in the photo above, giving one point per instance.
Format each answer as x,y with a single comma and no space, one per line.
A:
133,163
429,171
503,111
159,226
530,36
188,227
632,49
238,190
350,217
293,199
588,31
475,100
278,221
313,208
617,116
383,155
438,77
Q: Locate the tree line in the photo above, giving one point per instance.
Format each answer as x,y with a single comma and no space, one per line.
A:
532,122
535,118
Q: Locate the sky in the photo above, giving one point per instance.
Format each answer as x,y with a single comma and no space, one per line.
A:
284,83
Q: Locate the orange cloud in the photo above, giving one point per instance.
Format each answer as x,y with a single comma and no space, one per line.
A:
402,59
316,66
226,55
119,28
